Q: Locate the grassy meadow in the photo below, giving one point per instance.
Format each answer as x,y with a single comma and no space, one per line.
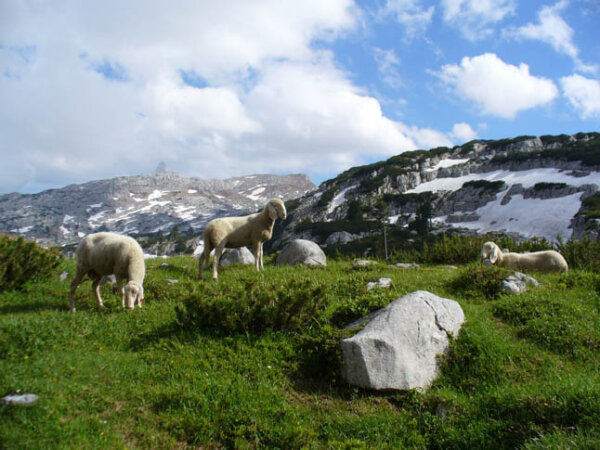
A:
251,361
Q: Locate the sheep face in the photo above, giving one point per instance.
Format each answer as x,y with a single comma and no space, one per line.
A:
134,294
489,253
276,209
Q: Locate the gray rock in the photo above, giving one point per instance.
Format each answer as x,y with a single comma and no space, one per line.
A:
381,283
517,283
23,399
340,237
110,279
407,266
362,263
301,251
63,276
398,346
237,256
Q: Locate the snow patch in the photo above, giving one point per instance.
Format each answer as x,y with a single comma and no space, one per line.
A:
447,163
339,199
530,217
527,178
192,191
255,194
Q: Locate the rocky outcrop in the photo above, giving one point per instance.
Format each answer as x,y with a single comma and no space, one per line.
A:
153,203
565,160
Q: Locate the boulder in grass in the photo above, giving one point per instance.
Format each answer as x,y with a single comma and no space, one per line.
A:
302,251
399,344
237,256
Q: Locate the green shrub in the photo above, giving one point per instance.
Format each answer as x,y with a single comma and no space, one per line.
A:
582,254
486,185
543,186
22,261
475,281
553,323
320,354
253,306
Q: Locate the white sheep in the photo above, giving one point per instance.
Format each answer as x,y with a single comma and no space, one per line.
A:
236,232
545,261
102,254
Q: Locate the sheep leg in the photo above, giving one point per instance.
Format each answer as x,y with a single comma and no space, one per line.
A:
258,254
121,289
76,281
204,259
96,289
218,251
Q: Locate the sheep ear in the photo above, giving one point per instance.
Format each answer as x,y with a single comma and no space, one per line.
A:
272,211
494,255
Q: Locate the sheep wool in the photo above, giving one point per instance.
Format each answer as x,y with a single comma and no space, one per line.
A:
101,254
543,261
236,232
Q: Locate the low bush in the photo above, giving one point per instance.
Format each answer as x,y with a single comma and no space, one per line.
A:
560,326
475,281
22,261
583,254
253,306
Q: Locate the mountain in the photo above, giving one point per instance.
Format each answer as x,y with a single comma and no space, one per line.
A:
144,204
526,186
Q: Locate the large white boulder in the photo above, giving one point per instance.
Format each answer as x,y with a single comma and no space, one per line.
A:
302,251
399,344
237,256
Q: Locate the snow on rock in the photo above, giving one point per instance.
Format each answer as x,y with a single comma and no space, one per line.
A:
527,178
523,216
447,163
339,199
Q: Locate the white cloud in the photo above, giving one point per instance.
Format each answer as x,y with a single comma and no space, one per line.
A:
463,132
104,90
553,30
583,93
410,14
497,88
387,61
474,17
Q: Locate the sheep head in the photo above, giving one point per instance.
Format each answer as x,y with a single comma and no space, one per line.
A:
134,295
490,253
276,209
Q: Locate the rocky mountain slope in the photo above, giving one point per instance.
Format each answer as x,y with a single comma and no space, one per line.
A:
526,186
140,205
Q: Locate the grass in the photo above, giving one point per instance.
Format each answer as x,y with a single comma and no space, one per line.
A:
522,373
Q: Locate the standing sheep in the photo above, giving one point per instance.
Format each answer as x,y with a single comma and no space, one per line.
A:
544,261
235,232
102,254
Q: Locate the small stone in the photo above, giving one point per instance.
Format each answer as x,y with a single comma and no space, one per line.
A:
381,283
24,399
407,266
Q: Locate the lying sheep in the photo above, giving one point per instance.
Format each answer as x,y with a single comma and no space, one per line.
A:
102,254
545,261
236,232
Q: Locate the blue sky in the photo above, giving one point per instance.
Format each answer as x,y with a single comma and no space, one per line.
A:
98,90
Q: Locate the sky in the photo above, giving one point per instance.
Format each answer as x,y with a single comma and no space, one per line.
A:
94,90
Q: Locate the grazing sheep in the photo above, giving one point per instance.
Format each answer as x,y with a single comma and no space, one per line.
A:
236,232
102,254
545,261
